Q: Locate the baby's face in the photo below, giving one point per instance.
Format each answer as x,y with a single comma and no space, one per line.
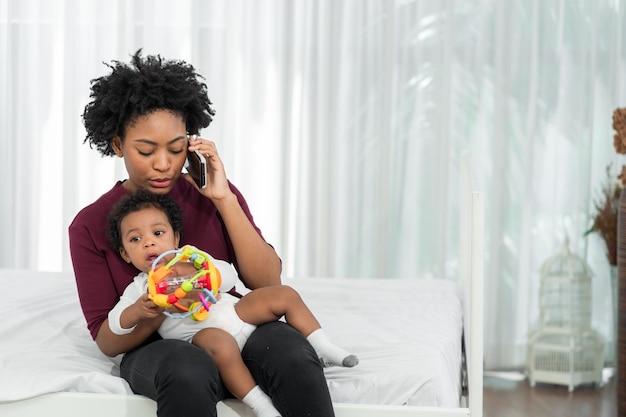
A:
145,235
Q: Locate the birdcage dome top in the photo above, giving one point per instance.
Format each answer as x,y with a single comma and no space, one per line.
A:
566,265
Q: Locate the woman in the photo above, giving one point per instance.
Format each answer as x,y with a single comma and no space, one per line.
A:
145,114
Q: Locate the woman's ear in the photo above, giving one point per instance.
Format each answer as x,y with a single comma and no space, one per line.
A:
116,144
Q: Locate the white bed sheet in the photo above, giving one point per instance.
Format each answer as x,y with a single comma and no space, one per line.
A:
407,333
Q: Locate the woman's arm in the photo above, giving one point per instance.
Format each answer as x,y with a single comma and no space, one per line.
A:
258,263
134,318
111,344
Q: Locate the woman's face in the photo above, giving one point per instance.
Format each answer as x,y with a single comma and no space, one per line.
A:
154,151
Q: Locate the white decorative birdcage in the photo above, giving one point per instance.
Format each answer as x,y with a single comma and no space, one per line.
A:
565,350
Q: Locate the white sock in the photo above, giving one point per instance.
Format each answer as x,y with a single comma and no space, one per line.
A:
260,403
329,353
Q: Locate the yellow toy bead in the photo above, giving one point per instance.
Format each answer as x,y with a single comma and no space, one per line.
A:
199,315
160,300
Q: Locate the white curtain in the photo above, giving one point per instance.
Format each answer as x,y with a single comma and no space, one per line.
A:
342,122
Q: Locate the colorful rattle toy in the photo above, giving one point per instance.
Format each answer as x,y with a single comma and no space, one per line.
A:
166,291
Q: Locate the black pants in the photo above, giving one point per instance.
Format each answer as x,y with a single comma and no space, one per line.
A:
184,380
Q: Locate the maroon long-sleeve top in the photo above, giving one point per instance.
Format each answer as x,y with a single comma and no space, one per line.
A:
102,275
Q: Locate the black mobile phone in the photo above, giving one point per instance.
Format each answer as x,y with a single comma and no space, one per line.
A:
196,167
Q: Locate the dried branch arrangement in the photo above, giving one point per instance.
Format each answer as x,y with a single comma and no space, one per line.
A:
607,206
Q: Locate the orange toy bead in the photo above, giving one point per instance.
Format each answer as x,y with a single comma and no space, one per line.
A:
180,293
160,273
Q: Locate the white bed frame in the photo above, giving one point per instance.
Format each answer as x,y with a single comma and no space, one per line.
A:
73,404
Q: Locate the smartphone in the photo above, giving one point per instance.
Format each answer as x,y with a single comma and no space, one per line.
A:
196,167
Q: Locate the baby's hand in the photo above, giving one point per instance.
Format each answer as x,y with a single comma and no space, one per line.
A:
145,307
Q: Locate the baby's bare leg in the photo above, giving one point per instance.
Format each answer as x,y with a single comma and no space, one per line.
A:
224,350
267,304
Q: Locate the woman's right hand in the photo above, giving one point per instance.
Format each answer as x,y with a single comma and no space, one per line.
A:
217,183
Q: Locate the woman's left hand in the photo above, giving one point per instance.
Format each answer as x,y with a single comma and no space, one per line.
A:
217,183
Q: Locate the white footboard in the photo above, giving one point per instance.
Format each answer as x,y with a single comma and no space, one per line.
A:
73,404
471,271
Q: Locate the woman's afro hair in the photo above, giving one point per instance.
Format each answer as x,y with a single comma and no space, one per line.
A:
139,200
146,85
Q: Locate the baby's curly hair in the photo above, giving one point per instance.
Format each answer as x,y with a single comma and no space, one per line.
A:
148,85
139,200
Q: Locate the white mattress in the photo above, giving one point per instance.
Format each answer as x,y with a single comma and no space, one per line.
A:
406,332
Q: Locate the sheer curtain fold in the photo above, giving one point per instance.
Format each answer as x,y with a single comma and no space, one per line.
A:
342,122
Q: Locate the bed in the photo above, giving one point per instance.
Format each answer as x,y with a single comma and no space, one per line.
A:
50,365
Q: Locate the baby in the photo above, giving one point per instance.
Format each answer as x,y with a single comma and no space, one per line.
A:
142,226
